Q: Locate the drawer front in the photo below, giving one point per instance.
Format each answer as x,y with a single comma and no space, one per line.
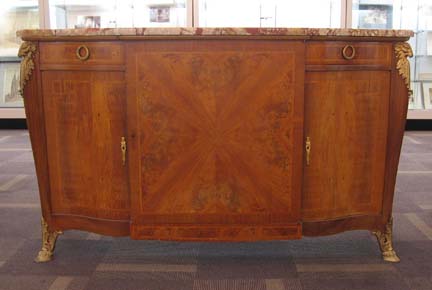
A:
350,53
82,53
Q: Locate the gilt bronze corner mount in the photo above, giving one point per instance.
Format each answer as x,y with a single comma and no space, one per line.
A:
49,239
403,51
26,52
385,241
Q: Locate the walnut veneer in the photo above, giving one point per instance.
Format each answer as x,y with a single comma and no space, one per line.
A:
216,138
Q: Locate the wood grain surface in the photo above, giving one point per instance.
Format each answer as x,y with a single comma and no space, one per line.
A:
65,53
217,133
345,120
85,120
365,53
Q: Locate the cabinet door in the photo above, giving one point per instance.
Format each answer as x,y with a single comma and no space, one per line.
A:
346,117
219,128
85,120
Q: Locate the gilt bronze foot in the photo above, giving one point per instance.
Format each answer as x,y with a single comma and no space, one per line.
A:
48,243
386,244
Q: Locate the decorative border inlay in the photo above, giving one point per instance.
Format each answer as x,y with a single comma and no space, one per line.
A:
26,52
217,233
403,51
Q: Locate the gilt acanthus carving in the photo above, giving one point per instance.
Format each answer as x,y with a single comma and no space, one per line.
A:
403,51
26,52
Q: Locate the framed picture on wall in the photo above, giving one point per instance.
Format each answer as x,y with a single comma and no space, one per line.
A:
88,22
160,14
429,43
12,20
427,94
375,16
10,96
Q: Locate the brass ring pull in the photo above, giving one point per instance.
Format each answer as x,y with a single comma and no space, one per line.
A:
344,52
86,55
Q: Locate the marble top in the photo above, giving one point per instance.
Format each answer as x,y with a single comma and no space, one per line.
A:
196,31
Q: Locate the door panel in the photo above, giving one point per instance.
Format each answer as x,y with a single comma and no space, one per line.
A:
85,120
217,125
346,118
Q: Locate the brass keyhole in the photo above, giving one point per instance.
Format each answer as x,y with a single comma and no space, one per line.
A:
308,146
123,149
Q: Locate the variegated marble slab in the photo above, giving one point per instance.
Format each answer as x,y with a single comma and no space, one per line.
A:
196,31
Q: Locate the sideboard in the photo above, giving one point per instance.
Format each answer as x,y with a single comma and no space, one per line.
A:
216,134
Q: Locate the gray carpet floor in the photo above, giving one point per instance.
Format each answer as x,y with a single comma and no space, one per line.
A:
84,260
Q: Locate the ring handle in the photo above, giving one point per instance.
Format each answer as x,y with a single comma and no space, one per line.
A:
346,49
85,56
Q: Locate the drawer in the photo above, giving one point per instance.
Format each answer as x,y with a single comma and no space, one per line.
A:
82,53
351,53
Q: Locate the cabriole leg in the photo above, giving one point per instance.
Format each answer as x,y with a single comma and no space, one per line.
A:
386,244
48,243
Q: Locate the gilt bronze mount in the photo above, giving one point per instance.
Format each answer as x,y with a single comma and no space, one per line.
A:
49,239
386,243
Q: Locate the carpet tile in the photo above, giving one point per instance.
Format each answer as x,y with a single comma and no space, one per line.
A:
88,261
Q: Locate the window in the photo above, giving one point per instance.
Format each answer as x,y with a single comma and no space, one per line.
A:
404,14
373,14
14,15
117,13
269,13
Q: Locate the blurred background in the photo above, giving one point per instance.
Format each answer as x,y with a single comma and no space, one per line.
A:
372,14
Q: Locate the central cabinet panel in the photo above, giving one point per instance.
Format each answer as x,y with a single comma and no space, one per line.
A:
218,139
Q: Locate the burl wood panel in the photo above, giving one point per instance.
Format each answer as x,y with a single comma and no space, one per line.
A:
346,119
85,118
217,124
366,53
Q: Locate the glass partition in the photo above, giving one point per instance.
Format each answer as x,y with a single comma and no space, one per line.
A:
14,15
422,71
415,15
117,13
269,13
376,14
